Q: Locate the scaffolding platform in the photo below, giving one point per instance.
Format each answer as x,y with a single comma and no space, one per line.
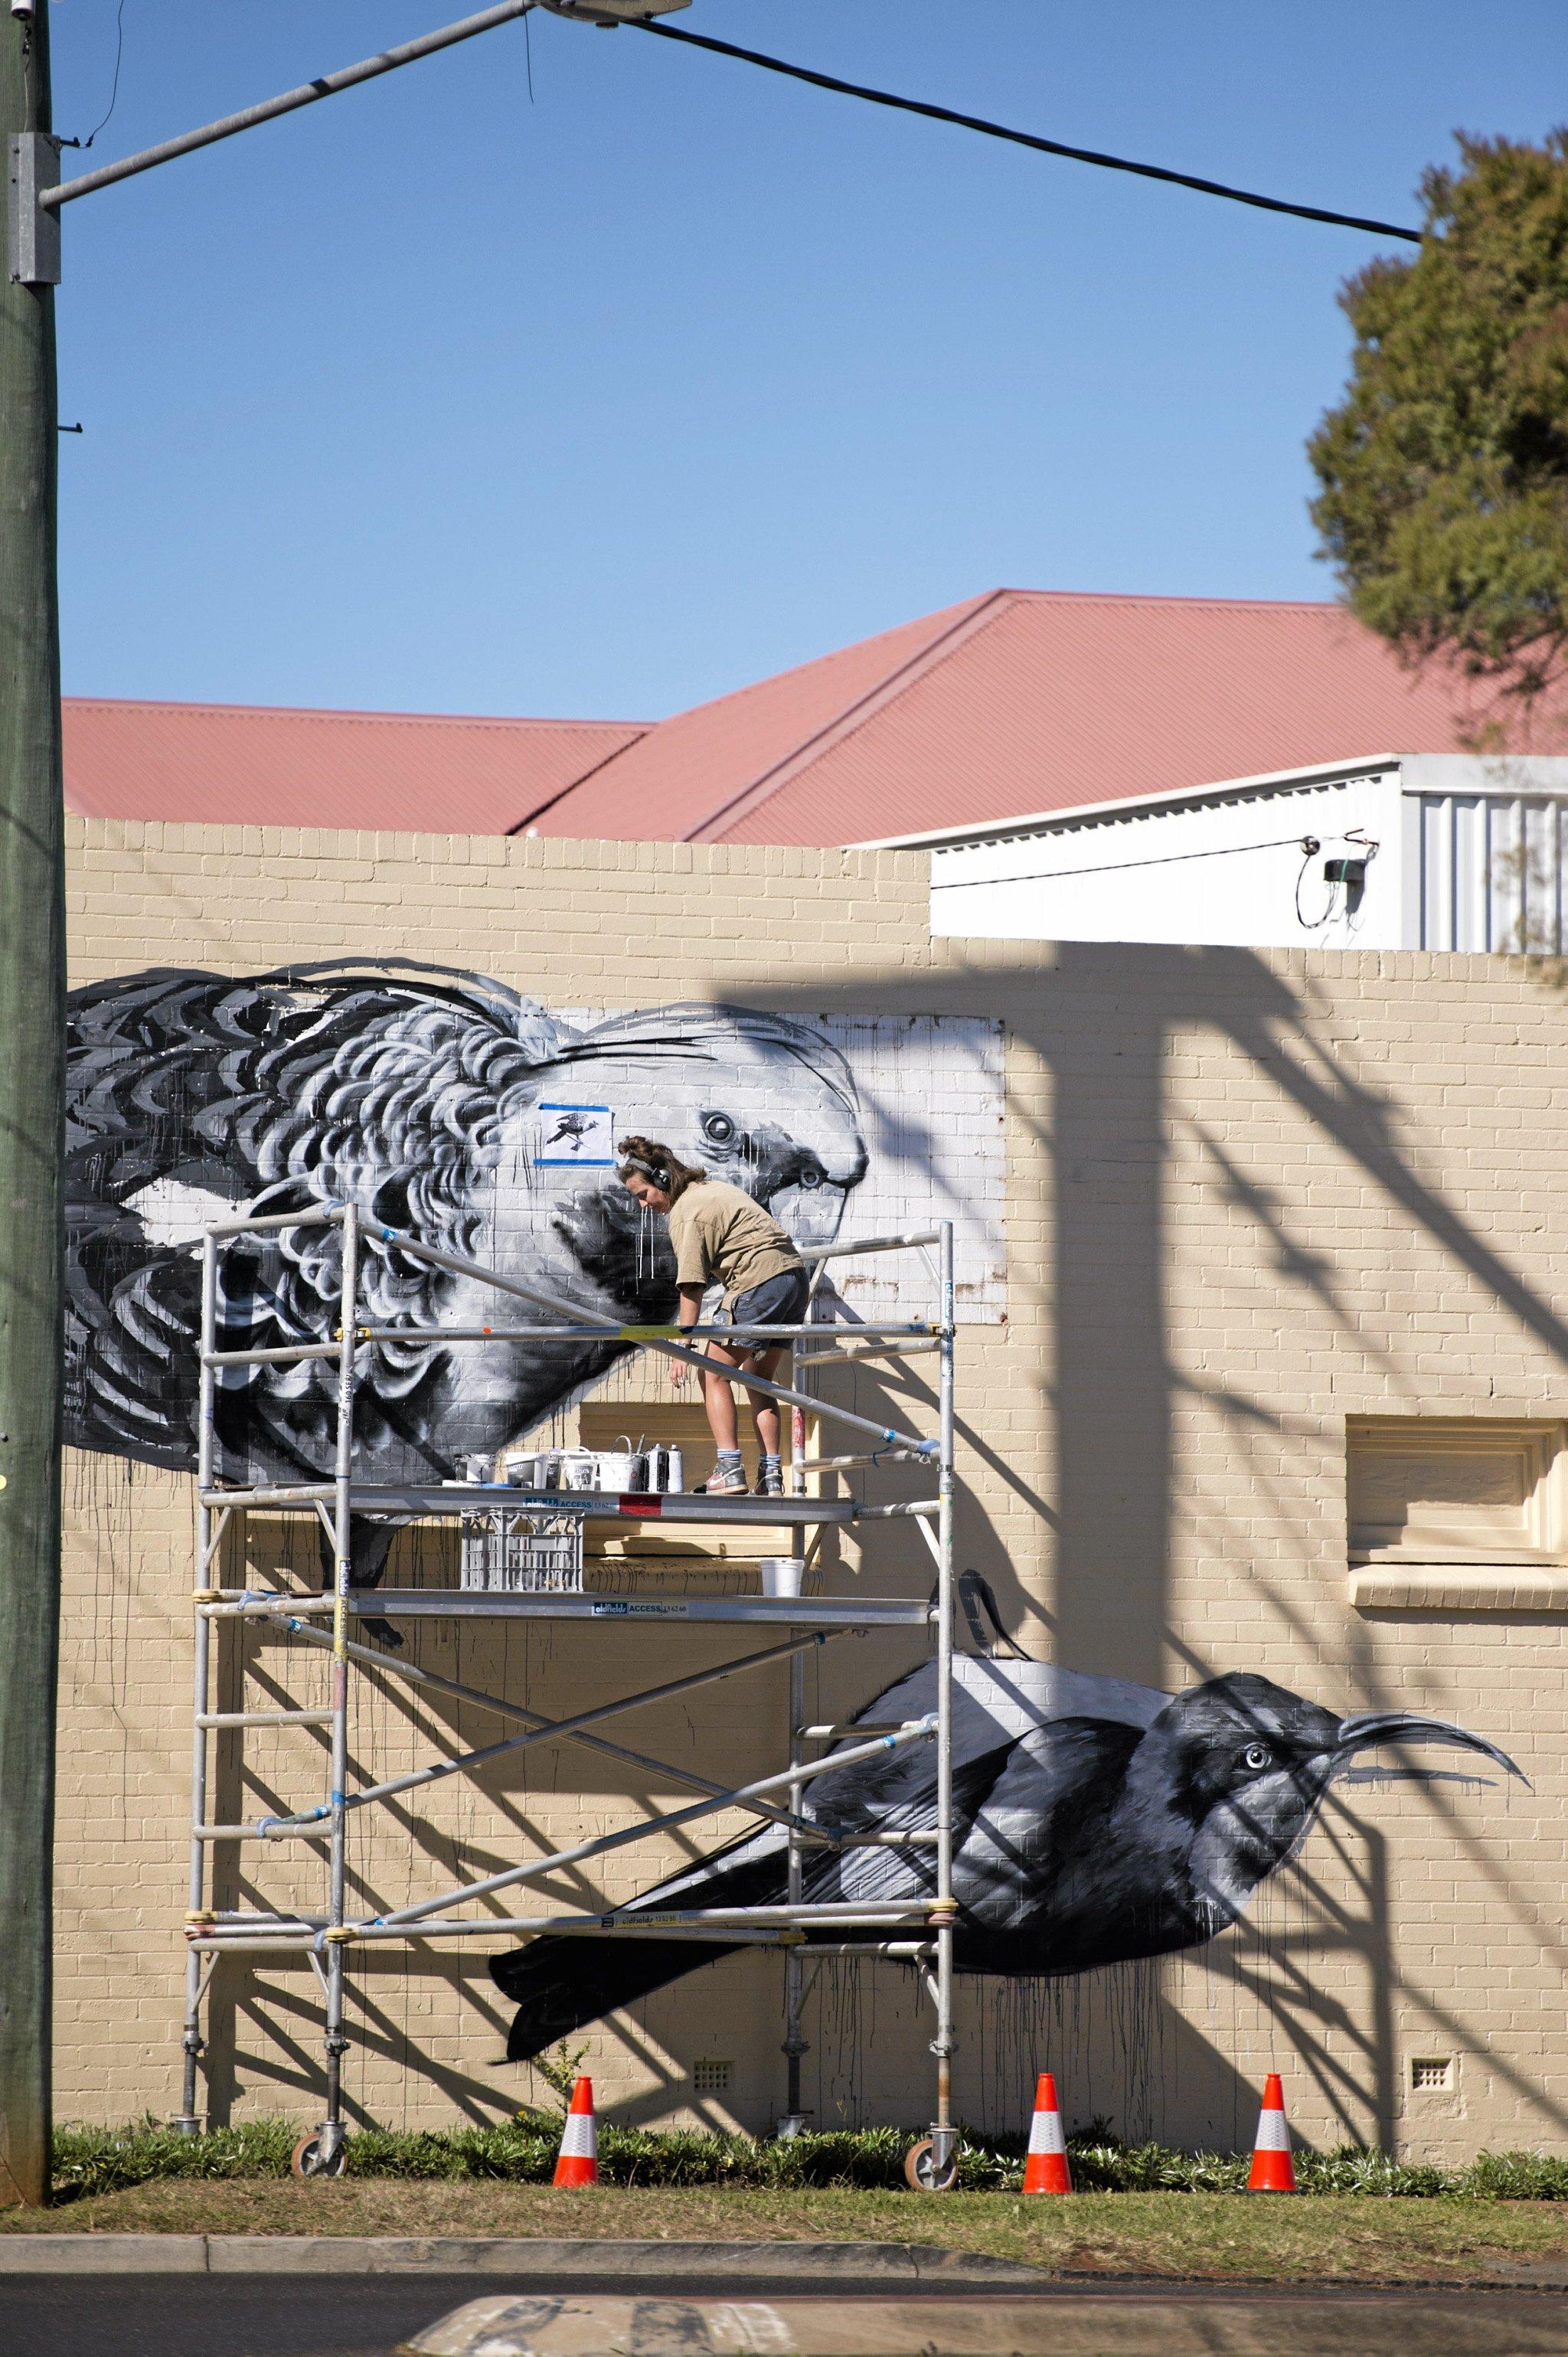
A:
588,1604
794,1626
457,1498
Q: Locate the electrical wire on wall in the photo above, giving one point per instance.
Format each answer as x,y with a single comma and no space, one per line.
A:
1334,883
1307,843
1310,847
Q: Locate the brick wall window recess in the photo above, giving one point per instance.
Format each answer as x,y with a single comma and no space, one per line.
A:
1466,1513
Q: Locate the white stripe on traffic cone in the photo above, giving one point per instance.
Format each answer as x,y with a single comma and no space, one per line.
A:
578,2160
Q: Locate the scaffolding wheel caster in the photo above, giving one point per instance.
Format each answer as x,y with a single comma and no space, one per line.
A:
317,2156
923,2173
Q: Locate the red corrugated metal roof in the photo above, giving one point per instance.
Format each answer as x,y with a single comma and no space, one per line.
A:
1020,701
1025,700
687,769
259,766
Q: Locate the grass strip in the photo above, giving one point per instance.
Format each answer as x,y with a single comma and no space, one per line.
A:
1329,2238
93,2161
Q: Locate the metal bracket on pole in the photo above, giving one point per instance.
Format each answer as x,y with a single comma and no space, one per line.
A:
609,14
34,228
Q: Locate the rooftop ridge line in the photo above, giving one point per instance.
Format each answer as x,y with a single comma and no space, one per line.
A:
991,604
529,817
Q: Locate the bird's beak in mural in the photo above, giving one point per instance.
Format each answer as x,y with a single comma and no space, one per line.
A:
810,1215
1360,1734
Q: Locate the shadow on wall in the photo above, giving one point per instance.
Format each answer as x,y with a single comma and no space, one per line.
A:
1124,1185
1107,1025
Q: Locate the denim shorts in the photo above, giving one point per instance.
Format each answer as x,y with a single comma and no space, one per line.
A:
777,1301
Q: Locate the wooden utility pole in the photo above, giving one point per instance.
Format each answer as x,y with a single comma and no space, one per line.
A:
32,1035
32,999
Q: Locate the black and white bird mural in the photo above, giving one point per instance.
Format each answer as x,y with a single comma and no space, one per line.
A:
1095,1822
433,1100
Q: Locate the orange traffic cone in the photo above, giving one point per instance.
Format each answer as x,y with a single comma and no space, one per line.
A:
1045,2169
1271,2169
579,2157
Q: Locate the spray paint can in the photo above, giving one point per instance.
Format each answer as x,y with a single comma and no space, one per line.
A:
673,1469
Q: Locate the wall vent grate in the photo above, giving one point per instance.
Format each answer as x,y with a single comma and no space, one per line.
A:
712,2078
1432,2074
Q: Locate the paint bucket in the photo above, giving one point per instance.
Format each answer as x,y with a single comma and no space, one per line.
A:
579,1470
781,1575
621,1468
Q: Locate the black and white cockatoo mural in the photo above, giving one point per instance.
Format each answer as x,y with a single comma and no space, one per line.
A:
415,1093
1095,1822
439,1102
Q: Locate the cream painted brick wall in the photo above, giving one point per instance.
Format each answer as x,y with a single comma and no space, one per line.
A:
1249,1196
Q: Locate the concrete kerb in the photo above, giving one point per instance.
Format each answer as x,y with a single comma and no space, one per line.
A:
907,2265
1069,2325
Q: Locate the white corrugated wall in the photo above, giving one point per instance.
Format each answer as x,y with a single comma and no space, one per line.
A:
1492,872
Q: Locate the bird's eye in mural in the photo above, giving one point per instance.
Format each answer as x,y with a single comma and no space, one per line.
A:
810,1175
1256,1758
718,1128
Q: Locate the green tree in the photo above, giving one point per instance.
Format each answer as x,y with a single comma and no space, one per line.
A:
1445,470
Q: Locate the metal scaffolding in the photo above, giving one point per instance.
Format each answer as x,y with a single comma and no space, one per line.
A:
918,1929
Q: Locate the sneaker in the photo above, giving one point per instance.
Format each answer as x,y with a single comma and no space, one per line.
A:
770,1482
729,1481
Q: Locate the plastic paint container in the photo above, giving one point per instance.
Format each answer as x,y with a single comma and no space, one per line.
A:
621,1467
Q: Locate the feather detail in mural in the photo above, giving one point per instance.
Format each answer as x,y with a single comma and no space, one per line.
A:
439,1102
1095,1822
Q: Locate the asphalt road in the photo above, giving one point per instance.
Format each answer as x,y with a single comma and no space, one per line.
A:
221,2316
368,2315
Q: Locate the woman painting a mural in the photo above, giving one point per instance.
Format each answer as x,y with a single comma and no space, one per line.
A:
721,1235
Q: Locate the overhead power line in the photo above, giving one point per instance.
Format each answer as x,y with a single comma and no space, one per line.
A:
1024,138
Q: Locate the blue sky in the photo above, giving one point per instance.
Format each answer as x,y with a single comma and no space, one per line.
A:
433,398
